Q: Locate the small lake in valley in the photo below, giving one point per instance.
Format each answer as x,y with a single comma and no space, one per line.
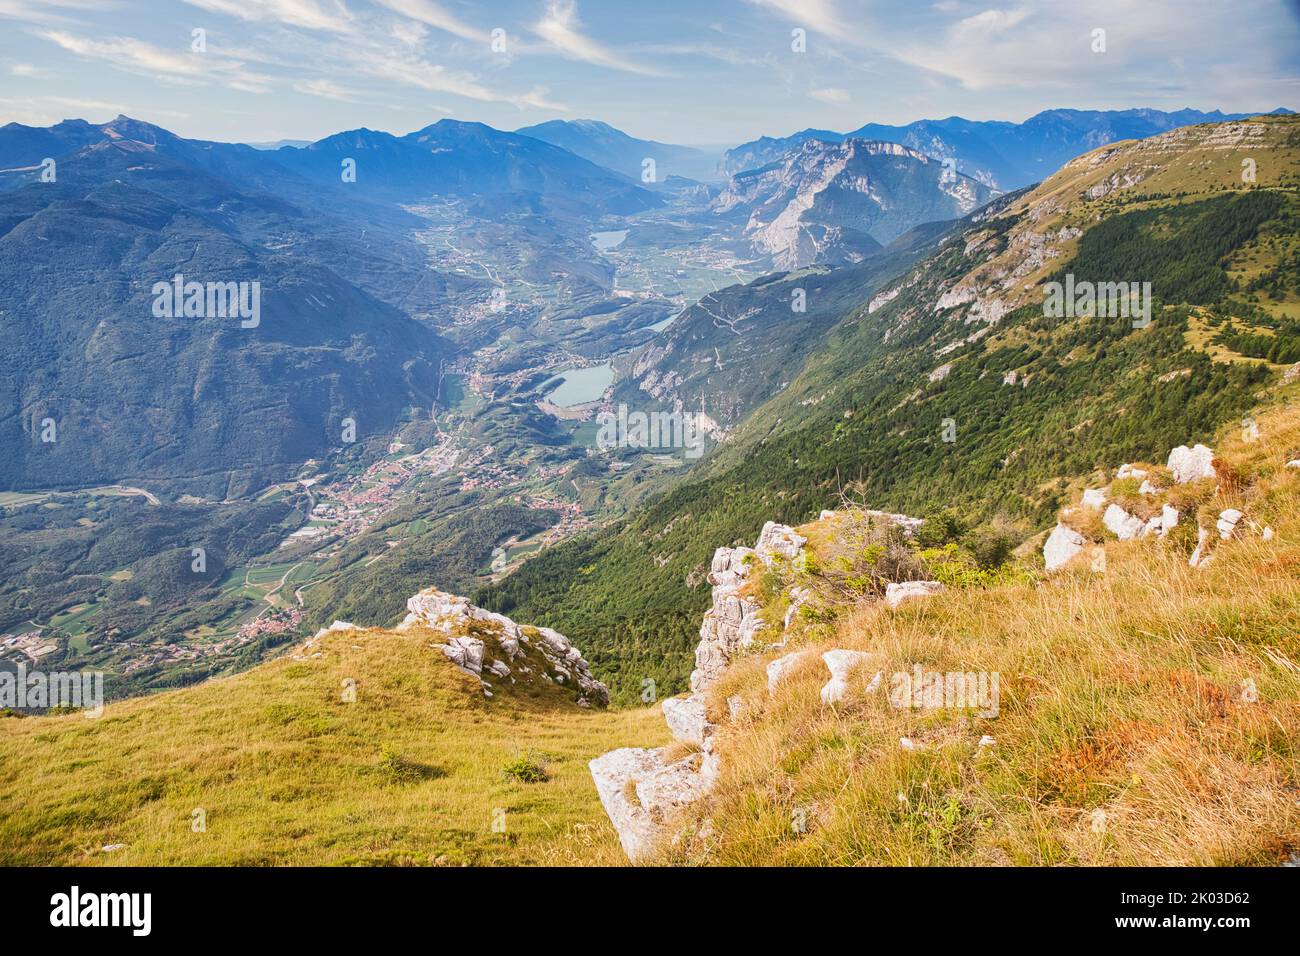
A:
577,386
604,241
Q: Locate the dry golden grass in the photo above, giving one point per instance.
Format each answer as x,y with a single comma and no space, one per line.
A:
1148,715
287,772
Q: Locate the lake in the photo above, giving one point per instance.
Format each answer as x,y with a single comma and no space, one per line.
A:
604,241
580,385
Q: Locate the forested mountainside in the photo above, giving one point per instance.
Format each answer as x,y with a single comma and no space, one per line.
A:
955,387
205,407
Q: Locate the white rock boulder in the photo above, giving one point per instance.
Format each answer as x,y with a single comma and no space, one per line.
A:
1124,525
1061,546
1094,498
843,664
897,593
779,668
1227,522
685,718
1168,518
640,791
1188,464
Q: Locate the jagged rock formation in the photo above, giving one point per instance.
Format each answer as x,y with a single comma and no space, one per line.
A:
733,619
481,640
838,202
641,789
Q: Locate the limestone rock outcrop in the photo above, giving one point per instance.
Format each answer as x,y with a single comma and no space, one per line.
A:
1124,525
480,640
1062,545
640,789
777,669
685,718
732,621
842,665
1227,522
897,593
1188,464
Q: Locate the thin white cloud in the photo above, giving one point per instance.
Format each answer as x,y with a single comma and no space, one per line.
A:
49,11
435,78
408,32
537,99
328,15
713,51
326,89
28,70
434,15
821,16
830,95
560,28
129,53
137,56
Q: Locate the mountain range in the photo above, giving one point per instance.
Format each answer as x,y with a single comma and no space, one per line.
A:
1000,154
614,149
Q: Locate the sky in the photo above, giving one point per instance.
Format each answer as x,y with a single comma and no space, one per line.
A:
701,72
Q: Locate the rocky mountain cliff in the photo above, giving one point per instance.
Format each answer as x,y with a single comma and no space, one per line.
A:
832,203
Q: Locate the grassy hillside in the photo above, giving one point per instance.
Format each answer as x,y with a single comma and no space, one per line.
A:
1027,398
1125,732
412,772
1149,715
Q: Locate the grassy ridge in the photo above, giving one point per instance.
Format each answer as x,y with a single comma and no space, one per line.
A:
288,772
1149,714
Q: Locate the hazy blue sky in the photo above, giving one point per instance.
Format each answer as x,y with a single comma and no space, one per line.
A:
694,71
